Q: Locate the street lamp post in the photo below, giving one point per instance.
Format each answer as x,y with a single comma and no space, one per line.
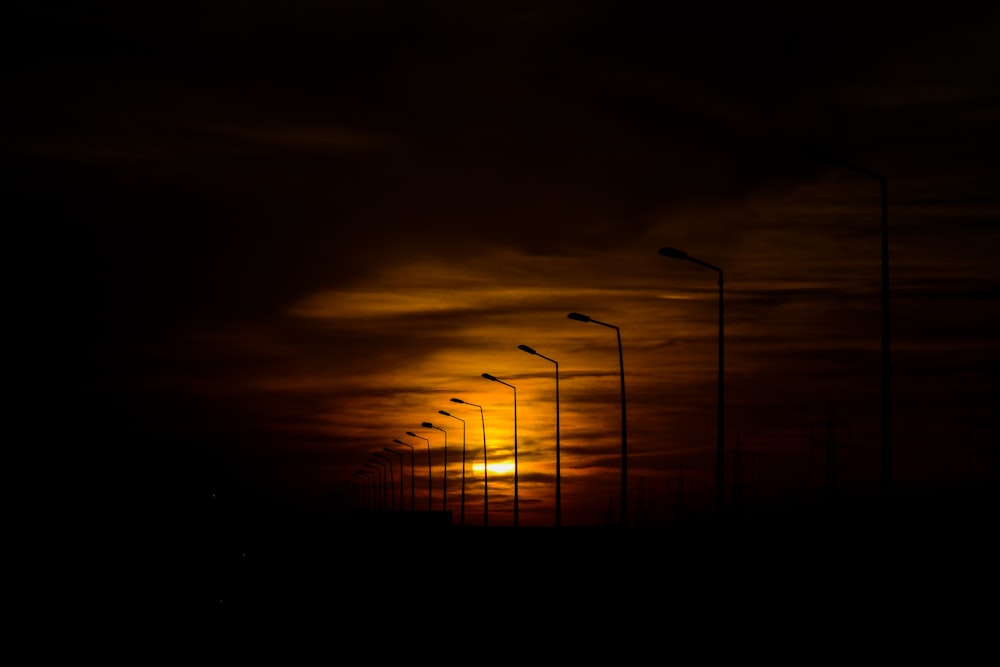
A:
429,484
391,489
462,513
486,477
886,455
404,444
530,350
623,502
366,493
379,469
444,483
674,253
495,379
400,455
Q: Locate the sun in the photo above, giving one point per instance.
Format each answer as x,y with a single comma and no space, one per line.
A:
498,468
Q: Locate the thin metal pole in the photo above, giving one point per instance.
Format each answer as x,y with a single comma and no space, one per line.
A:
429,477
721,412
391,489
412,492
624,483
531,350
886,405
516,503
558,473
486,480
393,451
448,414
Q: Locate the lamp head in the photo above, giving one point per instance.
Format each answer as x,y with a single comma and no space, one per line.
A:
579,317
457,400
673,253
412,434
442,412
427,425
398,441
526,349
489,377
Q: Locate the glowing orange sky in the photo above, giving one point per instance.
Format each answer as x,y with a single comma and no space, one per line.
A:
296,238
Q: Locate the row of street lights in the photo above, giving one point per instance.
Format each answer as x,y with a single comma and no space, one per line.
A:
623,501
673,253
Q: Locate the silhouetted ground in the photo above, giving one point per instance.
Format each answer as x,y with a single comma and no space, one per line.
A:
931,559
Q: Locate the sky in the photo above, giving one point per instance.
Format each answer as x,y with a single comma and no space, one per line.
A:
262,242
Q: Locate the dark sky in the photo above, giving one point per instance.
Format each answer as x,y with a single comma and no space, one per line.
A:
257,242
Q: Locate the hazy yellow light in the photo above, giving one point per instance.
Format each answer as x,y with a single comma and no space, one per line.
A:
499,468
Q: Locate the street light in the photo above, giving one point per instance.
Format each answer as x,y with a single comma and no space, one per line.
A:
392,481
530,350
428,441
486,480
444,487
380,471
623,502
829,158
404,444
495,379
674,253
448,414
393,451
366,493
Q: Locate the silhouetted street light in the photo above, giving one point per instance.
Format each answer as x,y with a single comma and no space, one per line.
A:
623,502
495,379
429,484
366,478
486,481
448,414
530,350
444,487
829,158
412,492
393,451
674,253
392,481
379,468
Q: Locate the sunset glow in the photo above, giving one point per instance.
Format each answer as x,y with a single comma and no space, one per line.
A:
294,283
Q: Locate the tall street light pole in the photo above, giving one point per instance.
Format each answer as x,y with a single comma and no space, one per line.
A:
429,484
379,467
829,158
412,493
400,455
462,513
623,502
366,477
491,378
391,489
486,477
674,253
444,484
530,350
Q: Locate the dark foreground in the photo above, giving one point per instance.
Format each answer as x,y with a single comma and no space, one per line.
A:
926,565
